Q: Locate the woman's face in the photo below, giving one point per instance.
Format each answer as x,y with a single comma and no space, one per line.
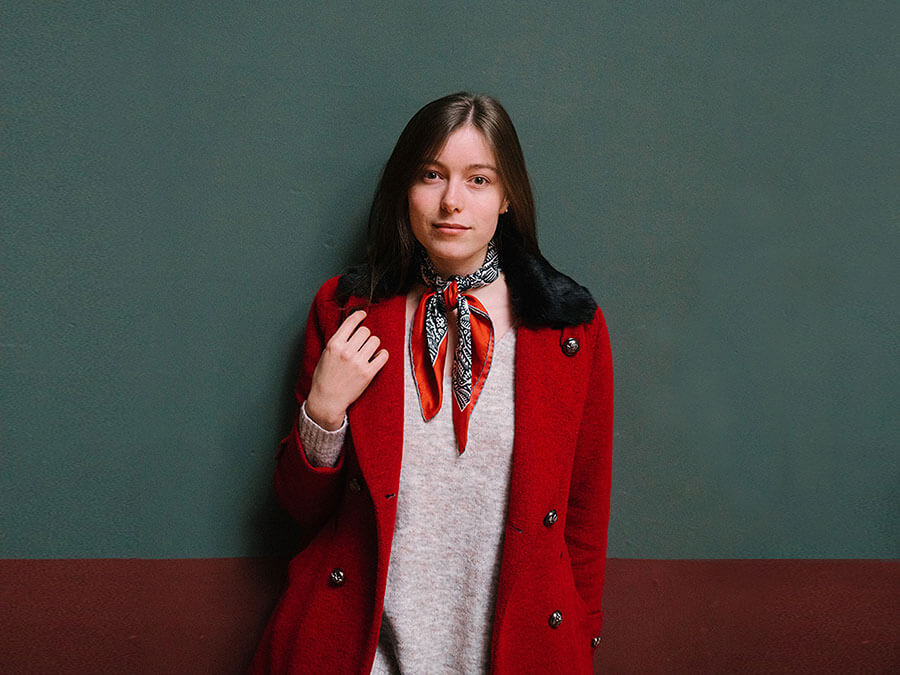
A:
455,202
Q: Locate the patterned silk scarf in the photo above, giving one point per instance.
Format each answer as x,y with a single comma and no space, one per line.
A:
474,344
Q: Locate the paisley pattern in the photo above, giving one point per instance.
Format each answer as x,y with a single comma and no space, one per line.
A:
430,328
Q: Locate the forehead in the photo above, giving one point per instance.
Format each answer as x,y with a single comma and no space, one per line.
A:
466,146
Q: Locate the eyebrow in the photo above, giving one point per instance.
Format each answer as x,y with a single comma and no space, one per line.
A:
470,167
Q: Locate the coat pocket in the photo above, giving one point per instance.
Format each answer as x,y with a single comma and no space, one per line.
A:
544,625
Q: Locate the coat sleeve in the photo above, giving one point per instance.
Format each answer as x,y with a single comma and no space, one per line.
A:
588,510
309,493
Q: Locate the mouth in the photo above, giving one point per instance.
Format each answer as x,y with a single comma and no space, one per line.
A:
450,227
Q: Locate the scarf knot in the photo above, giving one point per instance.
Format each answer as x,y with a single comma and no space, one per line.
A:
474,344
449,296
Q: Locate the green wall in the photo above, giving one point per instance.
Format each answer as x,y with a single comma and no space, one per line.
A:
178,179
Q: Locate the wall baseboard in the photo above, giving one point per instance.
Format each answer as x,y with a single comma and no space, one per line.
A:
662,616
751,616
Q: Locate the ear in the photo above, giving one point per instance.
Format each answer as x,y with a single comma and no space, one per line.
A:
504,207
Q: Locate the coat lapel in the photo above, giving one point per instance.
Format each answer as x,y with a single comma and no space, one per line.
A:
376,418
546,392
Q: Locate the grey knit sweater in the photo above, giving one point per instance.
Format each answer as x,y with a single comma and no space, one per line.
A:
445,555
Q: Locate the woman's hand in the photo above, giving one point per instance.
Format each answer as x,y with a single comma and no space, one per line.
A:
349,362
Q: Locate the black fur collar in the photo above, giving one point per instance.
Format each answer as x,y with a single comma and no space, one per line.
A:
540,295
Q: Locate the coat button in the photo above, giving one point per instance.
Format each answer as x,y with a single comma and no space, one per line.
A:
354,485
551,518
337,577
595,642
555,619
570,347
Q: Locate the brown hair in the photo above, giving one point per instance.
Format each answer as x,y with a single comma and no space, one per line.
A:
391,248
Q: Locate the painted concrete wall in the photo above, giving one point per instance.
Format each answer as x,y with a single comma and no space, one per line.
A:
178,179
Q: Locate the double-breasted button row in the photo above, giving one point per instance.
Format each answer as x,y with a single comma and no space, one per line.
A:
337,577
570,346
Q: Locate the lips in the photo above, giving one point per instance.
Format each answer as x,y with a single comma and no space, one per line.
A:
452,227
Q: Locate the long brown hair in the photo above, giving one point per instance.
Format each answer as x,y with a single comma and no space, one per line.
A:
391,249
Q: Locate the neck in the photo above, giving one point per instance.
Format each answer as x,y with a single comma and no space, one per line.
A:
450,270
470,275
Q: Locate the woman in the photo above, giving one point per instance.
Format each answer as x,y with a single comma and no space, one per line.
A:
447,536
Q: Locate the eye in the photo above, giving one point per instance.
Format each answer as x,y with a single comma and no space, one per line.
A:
430,175
480,180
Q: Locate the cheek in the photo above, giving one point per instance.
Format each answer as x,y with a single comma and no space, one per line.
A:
415,214
490,213
417,204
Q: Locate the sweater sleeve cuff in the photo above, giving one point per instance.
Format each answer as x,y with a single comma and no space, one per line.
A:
322,447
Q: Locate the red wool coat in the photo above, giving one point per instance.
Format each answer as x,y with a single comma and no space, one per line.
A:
554,544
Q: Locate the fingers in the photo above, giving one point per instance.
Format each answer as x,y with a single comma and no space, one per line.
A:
359,337
348,326
369,347
349,362
373,357
378,361
352,341
351,333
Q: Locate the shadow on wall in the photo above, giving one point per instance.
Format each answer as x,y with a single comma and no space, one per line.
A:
269,529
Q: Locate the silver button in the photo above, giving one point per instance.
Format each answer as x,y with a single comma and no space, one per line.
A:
595,642
555,619
337,577
570,347
551,518
354,485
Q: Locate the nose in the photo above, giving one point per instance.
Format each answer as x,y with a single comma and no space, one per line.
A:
452,199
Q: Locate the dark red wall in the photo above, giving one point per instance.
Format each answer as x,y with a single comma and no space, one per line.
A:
662,616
